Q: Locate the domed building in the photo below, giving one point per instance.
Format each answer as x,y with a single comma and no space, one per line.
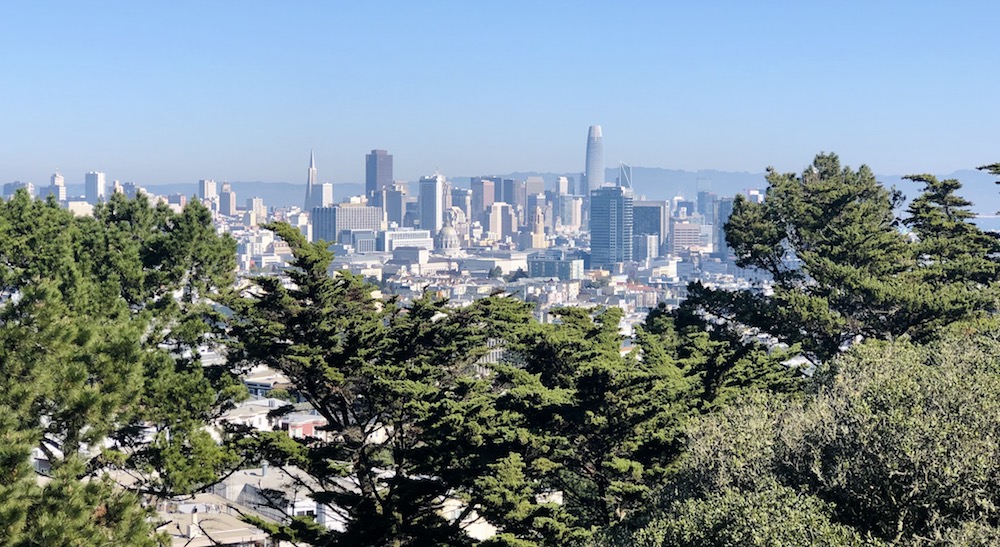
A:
447,240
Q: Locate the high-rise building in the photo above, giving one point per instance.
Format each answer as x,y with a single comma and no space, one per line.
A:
570,211
595,159
11,188
645,246
652,218
725,209
684,236
707,204
503,220
507,192
611,224
378,171
256,204
227,200
539,201
432,203
684,208
325,195
562,186
57,188
132,191
483,196
206,189
624,175
95,187
392,200
329,222
311,189
534,185
178,199
462,199
536,238
497,188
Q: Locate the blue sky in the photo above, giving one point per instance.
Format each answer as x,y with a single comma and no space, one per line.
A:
157,92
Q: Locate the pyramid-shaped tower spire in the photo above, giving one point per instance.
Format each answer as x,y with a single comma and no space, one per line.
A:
310,200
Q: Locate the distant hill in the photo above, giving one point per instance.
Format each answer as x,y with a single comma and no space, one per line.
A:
652,182
656,183
659,183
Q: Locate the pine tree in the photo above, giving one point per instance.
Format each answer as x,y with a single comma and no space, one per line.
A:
85,314
842,270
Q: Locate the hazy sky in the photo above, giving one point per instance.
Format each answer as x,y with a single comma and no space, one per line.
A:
156,92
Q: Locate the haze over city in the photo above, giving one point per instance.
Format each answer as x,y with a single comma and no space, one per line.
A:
185,91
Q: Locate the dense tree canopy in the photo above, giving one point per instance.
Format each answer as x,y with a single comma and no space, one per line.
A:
897,444
702,429
842,268
92,347
418,414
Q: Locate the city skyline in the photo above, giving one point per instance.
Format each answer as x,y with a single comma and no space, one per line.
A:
160,94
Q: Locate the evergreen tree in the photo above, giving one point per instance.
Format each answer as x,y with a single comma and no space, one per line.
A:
85,314
841,268
408,414
417,416
957,264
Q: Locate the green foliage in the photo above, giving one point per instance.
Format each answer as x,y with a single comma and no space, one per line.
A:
85,304
562,414
774,516
895,442
516,275
838,226
396,386
842,269
902,438
601,428
95,512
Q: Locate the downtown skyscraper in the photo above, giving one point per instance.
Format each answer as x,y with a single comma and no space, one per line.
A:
378,171
432,203
594,173
95,187
311,189
611,223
